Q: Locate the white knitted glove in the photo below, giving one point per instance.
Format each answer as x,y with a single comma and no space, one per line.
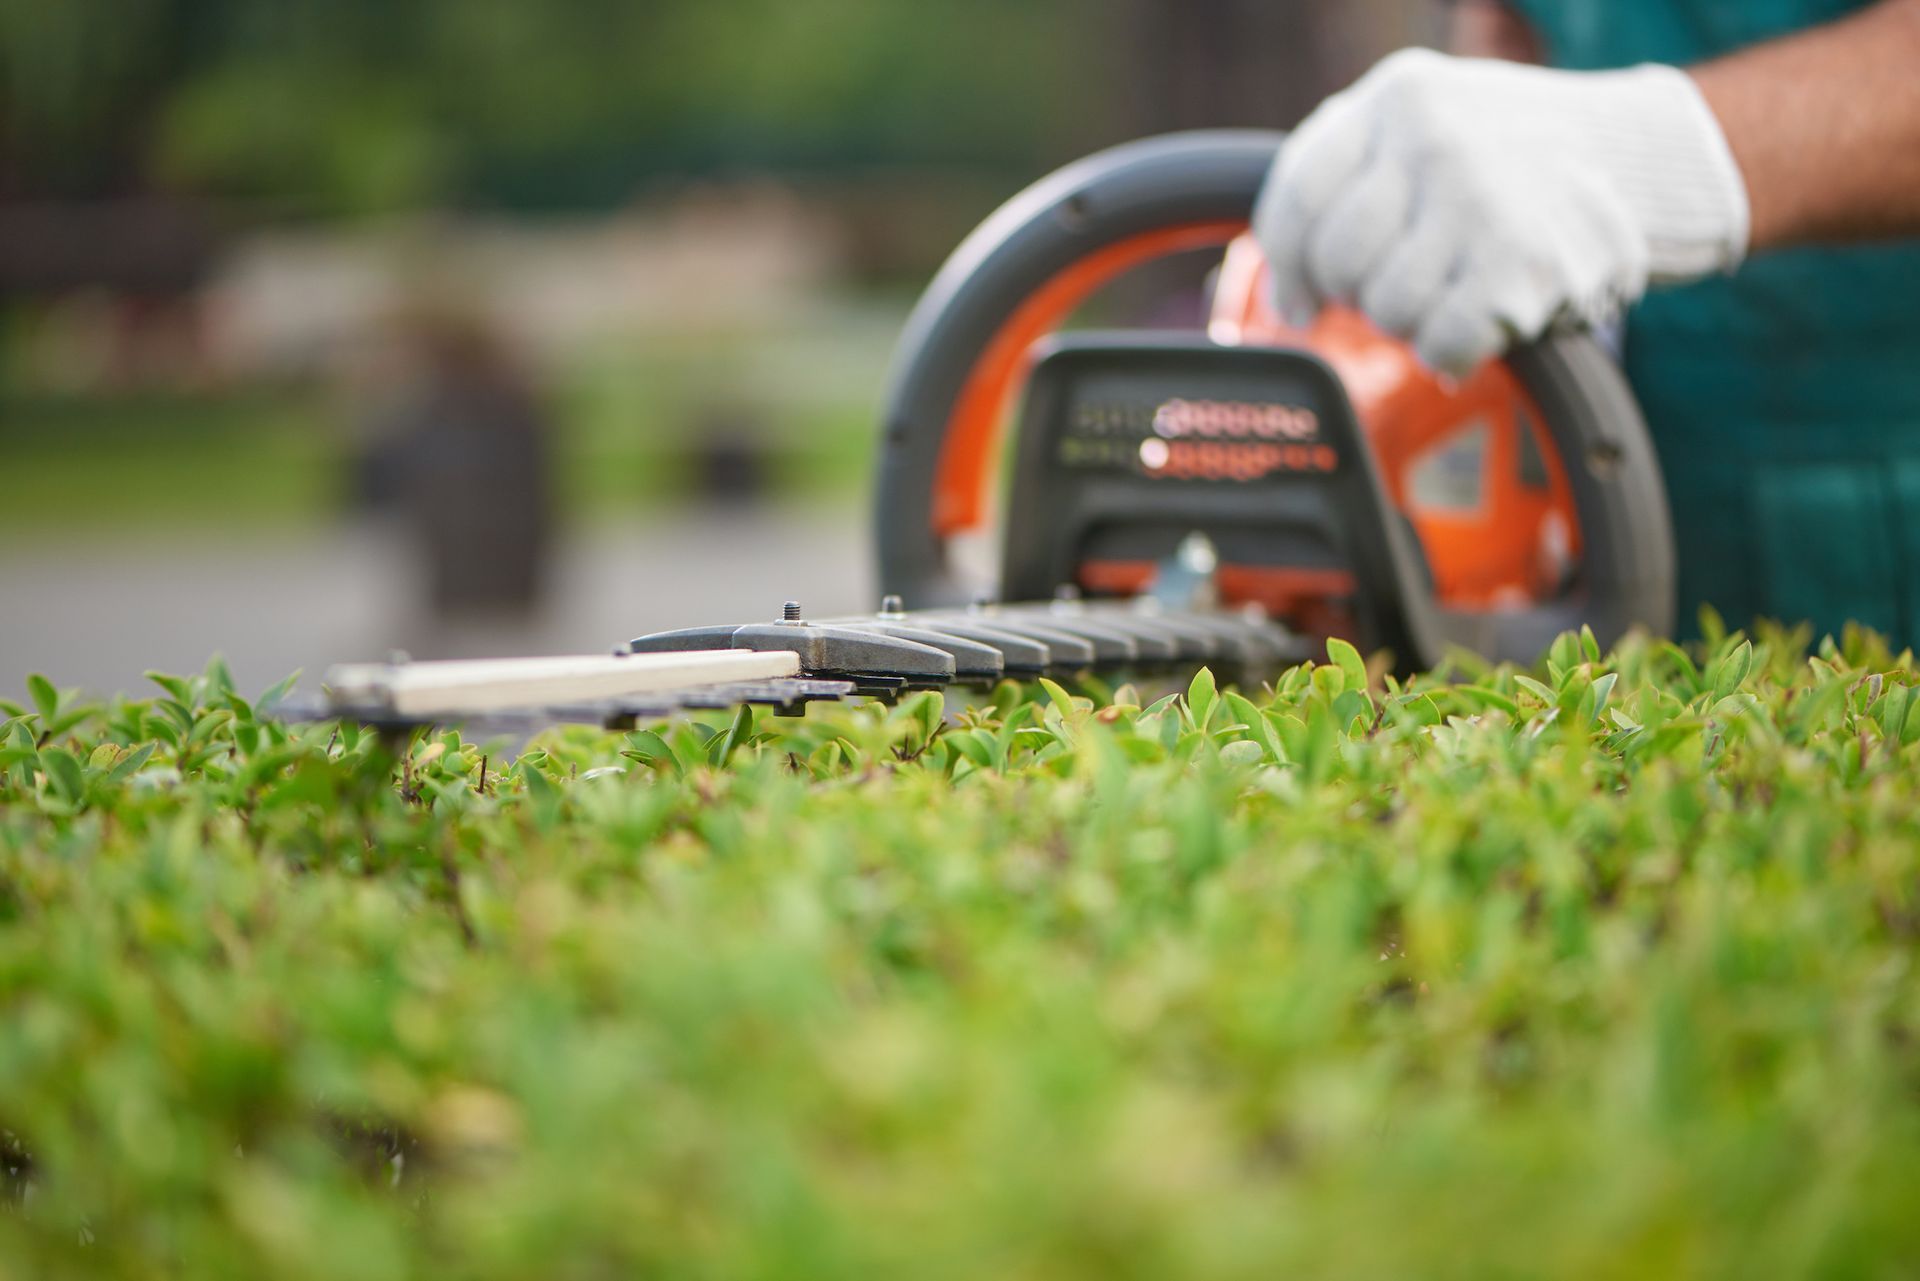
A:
1467,204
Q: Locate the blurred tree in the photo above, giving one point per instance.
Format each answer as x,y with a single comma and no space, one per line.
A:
81,85
347,106
341,106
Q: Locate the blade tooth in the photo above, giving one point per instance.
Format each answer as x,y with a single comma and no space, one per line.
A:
1193,644
1018,654
972,660
1271,644
1066,652
802,687
1028,649
1024,655
1111,646
886,689
719,636
1157,645
841,651
824,649
786,696
1259,641
794,694
780,691
807,687
1150,645
1234,639
705,700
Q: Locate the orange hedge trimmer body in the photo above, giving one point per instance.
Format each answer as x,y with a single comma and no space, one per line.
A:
1170,499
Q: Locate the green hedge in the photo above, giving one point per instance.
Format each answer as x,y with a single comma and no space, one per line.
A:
1602,969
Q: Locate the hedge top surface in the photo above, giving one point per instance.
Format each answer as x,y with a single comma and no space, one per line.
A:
1605,968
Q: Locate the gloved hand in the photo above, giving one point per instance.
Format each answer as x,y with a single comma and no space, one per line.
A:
1467,204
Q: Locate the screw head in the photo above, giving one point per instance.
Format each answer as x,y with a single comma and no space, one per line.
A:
790,612
892,604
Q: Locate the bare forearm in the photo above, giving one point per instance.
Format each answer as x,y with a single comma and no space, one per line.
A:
1489,29
1825,126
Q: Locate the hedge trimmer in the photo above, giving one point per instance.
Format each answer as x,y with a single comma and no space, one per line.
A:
1174,498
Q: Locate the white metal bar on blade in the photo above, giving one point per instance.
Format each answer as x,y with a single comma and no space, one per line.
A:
490,684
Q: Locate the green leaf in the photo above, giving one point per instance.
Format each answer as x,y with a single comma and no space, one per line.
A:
1354,707
1243,752
1159,707
1259,729
973,744
544,796
311,781
1589,644
1348,660
175,686
1603,690
724,745
930,713
1563,655
824,759
1732,670
1418,709
129,765
1546,696
1890,713
1295,681
46,700
649,748
1713,628
218,677
1321,748
1141,751
1910,721
163,729
1481,696
22,755
1201,697
276,693
1329,682
65,778
1061,700
1684,661
20,749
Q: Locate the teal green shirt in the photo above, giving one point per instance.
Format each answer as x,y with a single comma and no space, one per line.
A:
1785,399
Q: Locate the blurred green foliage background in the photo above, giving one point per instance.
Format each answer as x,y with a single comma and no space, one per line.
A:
142,140
361,106
328,107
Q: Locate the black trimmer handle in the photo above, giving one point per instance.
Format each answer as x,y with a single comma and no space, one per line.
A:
1208,179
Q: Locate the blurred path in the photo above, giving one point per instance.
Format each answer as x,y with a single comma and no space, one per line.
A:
100,615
